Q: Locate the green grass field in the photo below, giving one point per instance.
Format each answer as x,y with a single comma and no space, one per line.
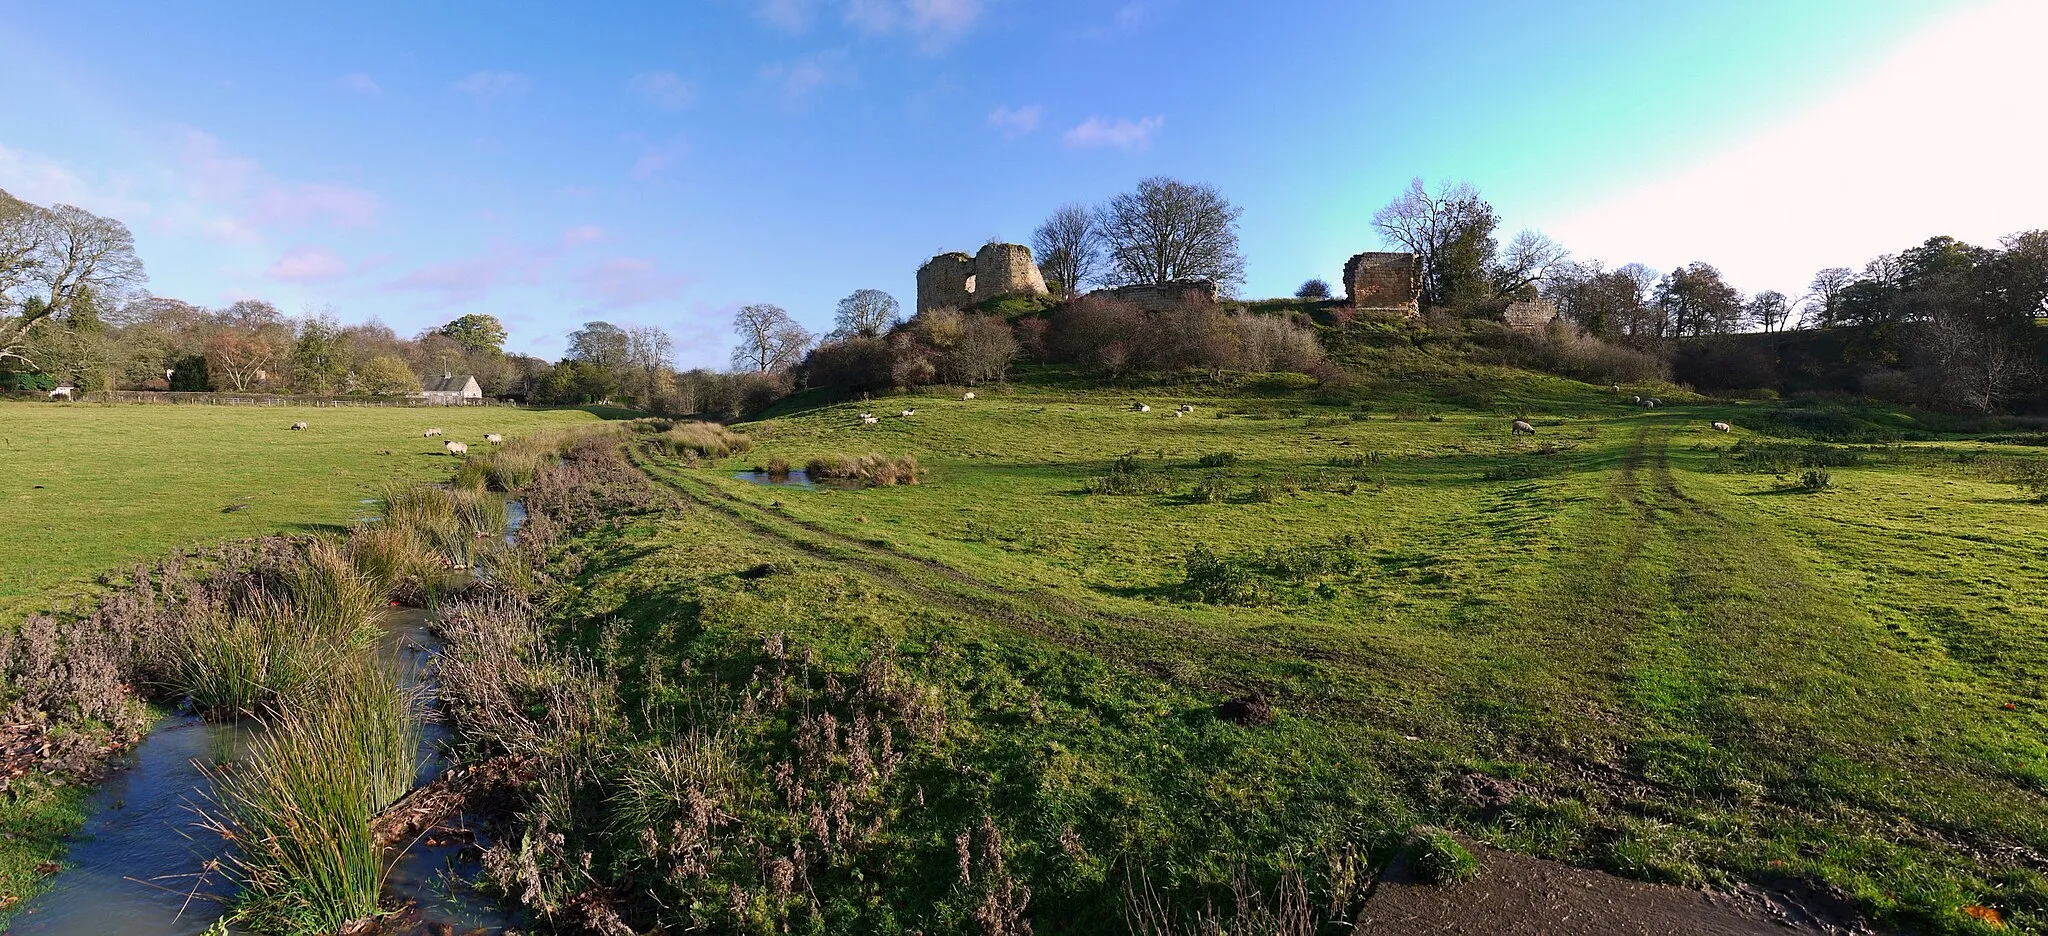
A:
1601,644
89,488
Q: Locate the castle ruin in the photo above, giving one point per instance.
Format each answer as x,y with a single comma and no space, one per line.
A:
1158,297
1531,314
1390,282
956,280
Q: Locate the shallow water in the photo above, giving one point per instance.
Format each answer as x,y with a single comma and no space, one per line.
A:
136,867
797,478
139,865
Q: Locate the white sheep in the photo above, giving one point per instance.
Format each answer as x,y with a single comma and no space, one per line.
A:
1179,413
457,448
1617,388
1186,408
1723,427
908,412
867,415
61,393
432,433
494,438
1518,427
298,427
1638,401
1653,402
1142,408
969,395
867,420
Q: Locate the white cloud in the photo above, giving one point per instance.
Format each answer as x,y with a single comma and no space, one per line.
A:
798,80
1942,137
33,177
786,15
308,265
1014,122
664,89
235,198
935,24
582,234
489,87
359,83
623,282
1120,133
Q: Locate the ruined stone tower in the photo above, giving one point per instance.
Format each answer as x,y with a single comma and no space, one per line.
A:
959,281
1386,281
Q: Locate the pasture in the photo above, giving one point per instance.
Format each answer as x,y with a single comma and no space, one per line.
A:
91,487
1630,642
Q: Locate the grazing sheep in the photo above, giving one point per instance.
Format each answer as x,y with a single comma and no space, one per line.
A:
298,427
1722,427
494,438
432,433
63,393
867,415
908,412
869,420
1518,427
1638,401
1617,388
457,448
1186,408
969,395
1654,402
1142,408
1179,413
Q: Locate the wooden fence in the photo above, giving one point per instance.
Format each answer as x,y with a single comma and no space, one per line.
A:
262,399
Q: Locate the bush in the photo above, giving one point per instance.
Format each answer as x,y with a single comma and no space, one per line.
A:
1566,351
1218,460
1128,476
1814,479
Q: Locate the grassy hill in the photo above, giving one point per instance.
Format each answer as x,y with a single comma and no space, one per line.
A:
1630,641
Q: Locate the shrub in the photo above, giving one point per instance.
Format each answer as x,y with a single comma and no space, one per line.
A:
1128,476
1437,857
1567,351
1814,479
1214,579
1218,460
1214,488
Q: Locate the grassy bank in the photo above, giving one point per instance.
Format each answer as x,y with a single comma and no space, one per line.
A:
89,488
1105,642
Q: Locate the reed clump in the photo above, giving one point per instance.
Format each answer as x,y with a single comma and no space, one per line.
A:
703,440
875,469
451,521
299,806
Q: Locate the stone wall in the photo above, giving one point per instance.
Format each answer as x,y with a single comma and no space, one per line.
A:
959,281
1156,297
946,280
1006,270
1392,281
1534,313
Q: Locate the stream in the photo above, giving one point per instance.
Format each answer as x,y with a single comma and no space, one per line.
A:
142,865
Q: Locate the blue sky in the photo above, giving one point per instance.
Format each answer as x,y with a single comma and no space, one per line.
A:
663,165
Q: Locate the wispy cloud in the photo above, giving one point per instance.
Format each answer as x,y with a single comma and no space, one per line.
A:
582,234
1128,17
655,157
468,279
664,89
798,80
786,15
935,24
234,197
490,87
1014,122
624,282
33,177
359,83
1119,133
308,265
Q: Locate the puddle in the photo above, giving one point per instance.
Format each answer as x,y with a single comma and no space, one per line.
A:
797,478
515,517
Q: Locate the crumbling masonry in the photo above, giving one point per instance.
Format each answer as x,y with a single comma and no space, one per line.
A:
958,281
1384,281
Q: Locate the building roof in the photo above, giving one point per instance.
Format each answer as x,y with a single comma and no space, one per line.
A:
447,383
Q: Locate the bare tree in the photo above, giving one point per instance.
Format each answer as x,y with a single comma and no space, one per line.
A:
1823,298
24,237
1169,230
1451,230
650,359
867,313
1526,260
769,339
1069,249
86,252
1313,289
1768,309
